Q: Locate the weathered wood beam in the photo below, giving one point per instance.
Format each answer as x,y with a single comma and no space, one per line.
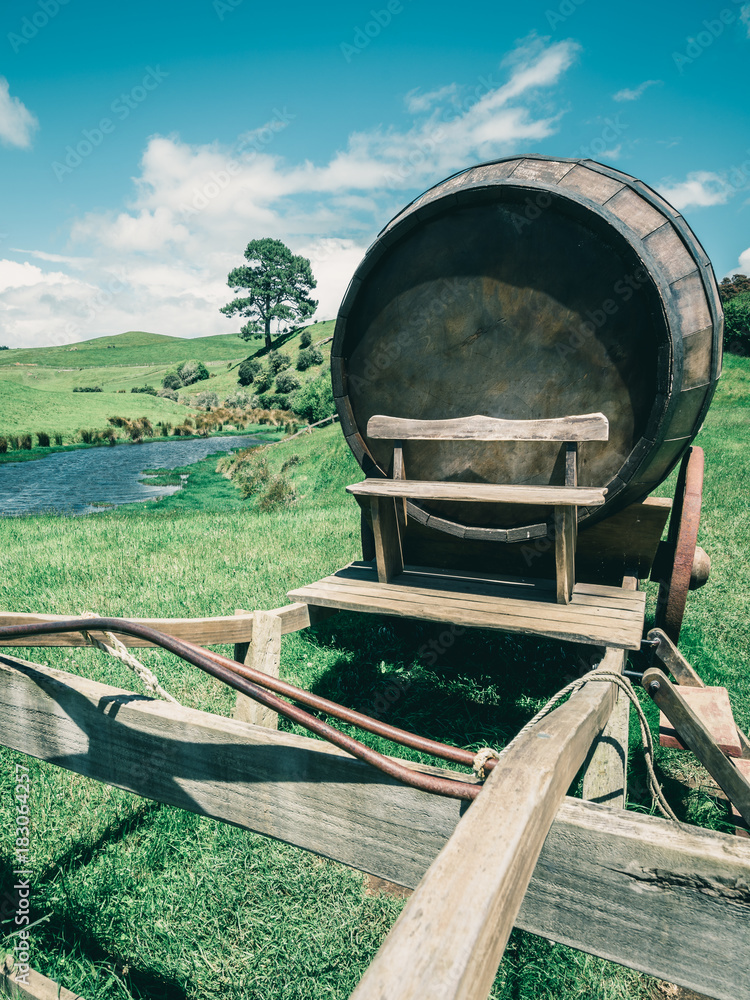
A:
264,654
620,885
450,937
204,631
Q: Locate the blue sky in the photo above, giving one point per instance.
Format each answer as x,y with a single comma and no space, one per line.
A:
143,145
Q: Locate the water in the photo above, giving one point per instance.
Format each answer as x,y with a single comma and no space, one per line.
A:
83,481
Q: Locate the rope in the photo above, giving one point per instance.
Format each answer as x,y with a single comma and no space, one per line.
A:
119,650
646,739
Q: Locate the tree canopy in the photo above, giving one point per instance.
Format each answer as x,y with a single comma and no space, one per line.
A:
277,284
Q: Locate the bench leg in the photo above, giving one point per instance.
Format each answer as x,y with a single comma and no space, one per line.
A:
263,653
388,555
565,525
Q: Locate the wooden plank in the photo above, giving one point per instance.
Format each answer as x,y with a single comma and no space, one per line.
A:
605,776
711,705
388,556
695,735
416,489
22,983
628,538
580,427
410,587
595,631
565,518
448,940
684,673
264,653
204,631
601,872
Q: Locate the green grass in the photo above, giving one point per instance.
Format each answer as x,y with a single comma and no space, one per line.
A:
148,901
132,348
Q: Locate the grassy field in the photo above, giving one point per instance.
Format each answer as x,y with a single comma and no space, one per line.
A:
132,348
36,384
149,901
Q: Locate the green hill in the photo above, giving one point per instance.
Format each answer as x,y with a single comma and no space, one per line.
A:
24,409
132,348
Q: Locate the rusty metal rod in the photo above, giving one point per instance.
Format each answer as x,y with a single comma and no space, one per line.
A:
228,671
456,755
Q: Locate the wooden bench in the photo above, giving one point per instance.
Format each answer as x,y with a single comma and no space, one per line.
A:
564,500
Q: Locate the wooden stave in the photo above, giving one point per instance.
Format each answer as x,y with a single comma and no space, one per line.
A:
651,460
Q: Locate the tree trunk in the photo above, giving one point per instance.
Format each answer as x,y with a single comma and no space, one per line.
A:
269,345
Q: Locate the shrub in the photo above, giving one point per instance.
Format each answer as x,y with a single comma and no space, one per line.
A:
168,394
292,460
148,389
263,380
192,371
164,428
118,421
25,442
308,357
278,493
87,436
3,445
737,324
287,381
305,339
108,435
87,388
58,439
314,401
206,400
239,399
247,371
277,362
121,390
42,439
274,401
251,471
14,441
172,381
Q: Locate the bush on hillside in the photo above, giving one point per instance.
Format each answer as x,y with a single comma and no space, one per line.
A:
172,381
192,371
148,389
3,445
305,339
168,394
247,371
314,401
88,388
42,438
278,493
25,442
263,380
308,357
239,399
205,400
58,439
737,325
277,362
287,381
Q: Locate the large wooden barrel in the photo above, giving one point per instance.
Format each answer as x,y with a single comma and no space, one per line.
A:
525,288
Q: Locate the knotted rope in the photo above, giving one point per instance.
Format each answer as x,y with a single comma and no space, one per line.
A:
646,739
119,650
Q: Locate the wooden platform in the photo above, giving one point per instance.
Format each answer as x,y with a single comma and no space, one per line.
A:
597,614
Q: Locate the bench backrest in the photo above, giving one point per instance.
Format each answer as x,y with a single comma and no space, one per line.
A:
580,427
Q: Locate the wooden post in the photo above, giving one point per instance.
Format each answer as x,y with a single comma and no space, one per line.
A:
388,556
450,937
565,521
263,653
33,985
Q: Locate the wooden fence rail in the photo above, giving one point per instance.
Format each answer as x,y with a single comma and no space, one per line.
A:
616,884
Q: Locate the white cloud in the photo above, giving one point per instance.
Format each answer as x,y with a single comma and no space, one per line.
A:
699,189
17,123
160,262
632,95
743,266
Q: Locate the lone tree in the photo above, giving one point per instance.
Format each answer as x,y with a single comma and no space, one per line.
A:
278,286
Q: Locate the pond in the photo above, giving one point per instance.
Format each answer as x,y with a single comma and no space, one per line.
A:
89,480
